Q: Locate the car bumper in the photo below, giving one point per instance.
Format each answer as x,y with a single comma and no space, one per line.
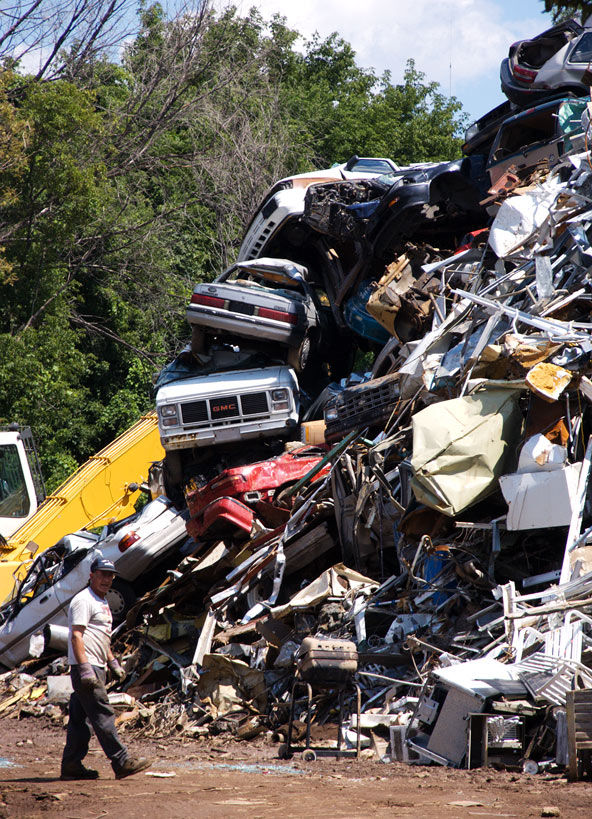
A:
518,93
228,434
247,326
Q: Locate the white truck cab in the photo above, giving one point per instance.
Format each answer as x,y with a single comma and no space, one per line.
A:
21,483
224,407
284,202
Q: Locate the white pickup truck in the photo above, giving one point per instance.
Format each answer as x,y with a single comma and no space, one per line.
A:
225,407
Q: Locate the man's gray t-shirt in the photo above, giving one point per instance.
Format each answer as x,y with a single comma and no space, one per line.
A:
91,611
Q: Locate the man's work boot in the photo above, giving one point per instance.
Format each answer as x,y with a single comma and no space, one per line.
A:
132,765
76,770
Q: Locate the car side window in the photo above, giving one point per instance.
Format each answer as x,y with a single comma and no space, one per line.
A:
582,53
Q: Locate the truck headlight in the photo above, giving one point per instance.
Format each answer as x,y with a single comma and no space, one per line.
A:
168,415
280,400
330,415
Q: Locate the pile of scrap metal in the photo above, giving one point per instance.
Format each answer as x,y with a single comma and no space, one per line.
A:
430,519
447,533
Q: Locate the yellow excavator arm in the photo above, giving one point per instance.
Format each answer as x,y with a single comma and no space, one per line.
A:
103,489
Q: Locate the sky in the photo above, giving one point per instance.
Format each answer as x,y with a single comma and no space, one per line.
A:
457,43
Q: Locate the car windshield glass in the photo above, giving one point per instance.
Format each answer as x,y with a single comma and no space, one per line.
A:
582,53
263,277
14,498
185,367
43,573
372,166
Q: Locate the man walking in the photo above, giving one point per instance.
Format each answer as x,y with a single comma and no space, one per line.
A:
89,653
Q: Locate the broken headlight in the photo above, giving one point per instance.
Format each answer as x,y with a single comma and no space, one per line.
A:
330,414
168,415
280,400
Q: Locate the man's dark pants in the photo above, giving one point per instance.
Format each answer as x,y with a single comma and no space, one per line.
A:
90,707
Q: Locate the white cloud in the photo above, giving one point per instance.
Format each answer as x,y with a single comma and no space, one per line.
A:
472,36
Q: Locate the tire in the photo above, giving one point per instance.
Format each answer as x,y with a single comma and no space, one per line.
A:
121,597
260,591
386,358
298,357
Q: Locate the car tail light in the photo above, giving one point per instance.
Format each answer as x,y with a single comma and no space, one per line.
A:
525,74
128,540
278,315
207,301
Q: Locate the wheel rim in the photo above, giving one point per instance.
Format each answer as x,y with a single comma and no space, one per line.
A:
304,352
116,602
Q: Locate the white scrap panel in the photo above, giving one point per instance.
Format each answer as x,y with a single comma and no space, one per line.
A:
540,499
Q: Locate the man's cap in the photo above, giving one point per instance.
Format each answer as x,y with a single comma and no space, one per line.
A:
102,564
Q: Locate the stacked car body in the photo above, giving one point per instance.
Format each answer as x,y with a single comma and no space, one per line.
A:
333,262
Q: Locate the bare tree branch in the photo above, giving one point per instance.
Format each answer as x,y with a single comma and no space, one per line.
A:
63,34
94,327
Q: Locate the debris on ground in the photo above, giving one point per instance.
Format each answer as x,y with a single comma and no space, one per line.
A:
405,552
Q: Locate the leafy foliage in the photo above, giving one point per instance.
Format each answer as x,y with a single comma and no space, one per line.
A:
124,182
564,9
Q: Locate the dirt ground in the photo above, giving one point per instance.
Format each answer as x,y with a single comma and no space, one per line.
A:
219,778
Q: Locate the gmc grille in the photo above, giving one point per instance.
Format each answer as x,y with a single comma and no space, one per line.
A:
254,404
194,412
225,407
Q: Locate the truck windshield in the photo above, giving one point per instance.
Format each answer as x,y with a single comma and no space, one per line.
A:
14,498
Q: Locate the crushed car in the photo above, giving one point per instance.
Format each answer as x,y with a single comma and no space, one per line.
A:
554,62
137,545
283,204
232,499
266,300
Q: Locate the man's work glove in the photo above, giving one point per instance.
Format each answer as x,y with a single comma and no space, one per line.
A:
116,669
88,678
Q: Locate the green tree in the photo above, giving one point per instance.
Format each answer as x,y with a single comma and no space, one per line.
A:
130,180
564,9
343,109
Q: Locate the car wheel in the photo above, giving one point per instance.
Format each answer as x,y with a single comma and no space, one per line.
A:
260,591
386,358
298,357
121,597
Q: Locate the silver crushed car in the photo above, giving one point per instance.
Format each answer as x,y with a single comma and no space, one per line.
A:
136,546
556,61
266,299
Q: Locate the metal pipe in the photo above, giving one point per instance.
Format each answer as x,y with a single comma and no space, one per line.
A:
55,637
